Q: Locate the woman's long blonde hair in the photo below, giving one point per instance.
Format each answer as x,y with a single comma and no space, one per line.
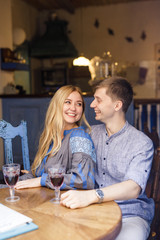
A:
54,123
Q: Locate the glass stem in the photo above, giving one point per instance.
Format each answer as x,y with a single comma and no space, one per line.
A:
11,190
57,193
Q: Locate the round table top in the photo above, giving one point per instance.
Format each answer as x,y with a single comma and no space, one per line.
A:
97,221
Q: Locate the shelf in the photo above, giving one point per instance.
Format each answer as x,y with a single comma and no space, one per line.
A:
11,65
14,66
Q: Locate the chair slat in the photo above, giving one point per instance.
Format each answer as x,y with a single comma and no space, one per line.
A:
153,192
8,150
8,133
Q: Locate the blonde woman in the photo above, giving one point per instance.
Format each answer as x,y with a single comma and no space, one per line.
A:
64,141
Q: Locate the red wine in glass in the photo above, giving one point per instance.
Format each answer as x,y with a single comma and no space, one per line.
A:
56,175
57,181
11,180
11,174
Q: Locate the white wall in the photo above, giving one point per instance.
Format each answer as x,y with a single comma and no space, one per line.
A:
127,19
5,37
15,14
24,16
5,41
1,141
5,24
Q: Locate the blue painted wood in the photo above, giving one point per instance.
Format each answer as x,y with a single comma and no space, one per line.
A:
8,133
153,117
130,114
90,114
15,66
144,116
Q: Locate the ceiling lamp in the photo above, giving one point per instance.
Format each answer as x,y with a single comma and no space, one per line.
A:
81,61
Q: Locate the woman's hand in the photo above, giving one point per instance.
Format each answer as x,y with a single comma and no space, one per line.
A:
29,183
24,171
78,199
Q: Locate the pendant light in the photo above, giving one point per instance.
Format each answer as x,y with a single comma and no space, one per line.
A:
81,60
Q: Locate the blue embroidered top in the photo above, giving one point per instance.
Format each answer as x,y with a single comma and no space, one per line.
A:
77,154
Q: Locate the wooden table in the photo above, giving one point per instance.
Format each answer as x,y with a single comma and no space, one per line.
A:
97,221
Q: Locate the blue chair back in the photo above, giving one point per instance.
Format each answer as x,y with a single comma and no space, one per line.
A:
8,132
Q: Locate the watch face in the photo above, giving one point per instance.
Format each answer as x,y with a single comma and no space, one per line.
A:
100,193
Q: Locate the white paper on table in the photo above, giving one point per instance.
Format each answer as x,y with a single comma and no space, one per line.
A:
10,218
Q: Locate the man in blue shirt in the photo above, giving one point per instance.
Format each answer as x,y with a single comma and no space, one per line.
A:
124,159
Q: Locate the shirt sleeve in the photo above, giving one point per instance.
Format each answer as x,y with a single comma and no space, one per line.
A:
26,176
80,172
39,173
140,166
79,176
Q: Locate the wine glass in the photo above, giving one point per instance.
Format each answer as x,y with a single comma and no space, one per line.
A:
56,175
11,174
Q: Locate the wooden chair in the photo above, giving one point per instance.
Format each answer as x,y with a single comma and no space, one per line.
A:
153,191
8,133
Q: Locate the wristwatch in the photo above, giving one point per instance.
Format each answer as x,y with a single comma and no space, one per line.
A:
100,195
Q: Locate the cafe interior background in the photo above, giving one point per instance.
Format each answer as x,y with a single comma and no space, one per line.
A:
127,29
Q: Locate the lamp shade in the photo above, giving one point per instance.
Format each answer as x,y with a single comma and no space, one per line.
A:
81,61
19,36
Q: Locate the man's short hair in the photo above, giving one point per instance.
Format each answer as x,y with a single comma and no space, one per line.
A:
117,88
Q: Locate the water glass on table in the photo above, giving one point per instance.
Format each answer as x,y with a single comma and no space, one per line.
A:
11,174
56,175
